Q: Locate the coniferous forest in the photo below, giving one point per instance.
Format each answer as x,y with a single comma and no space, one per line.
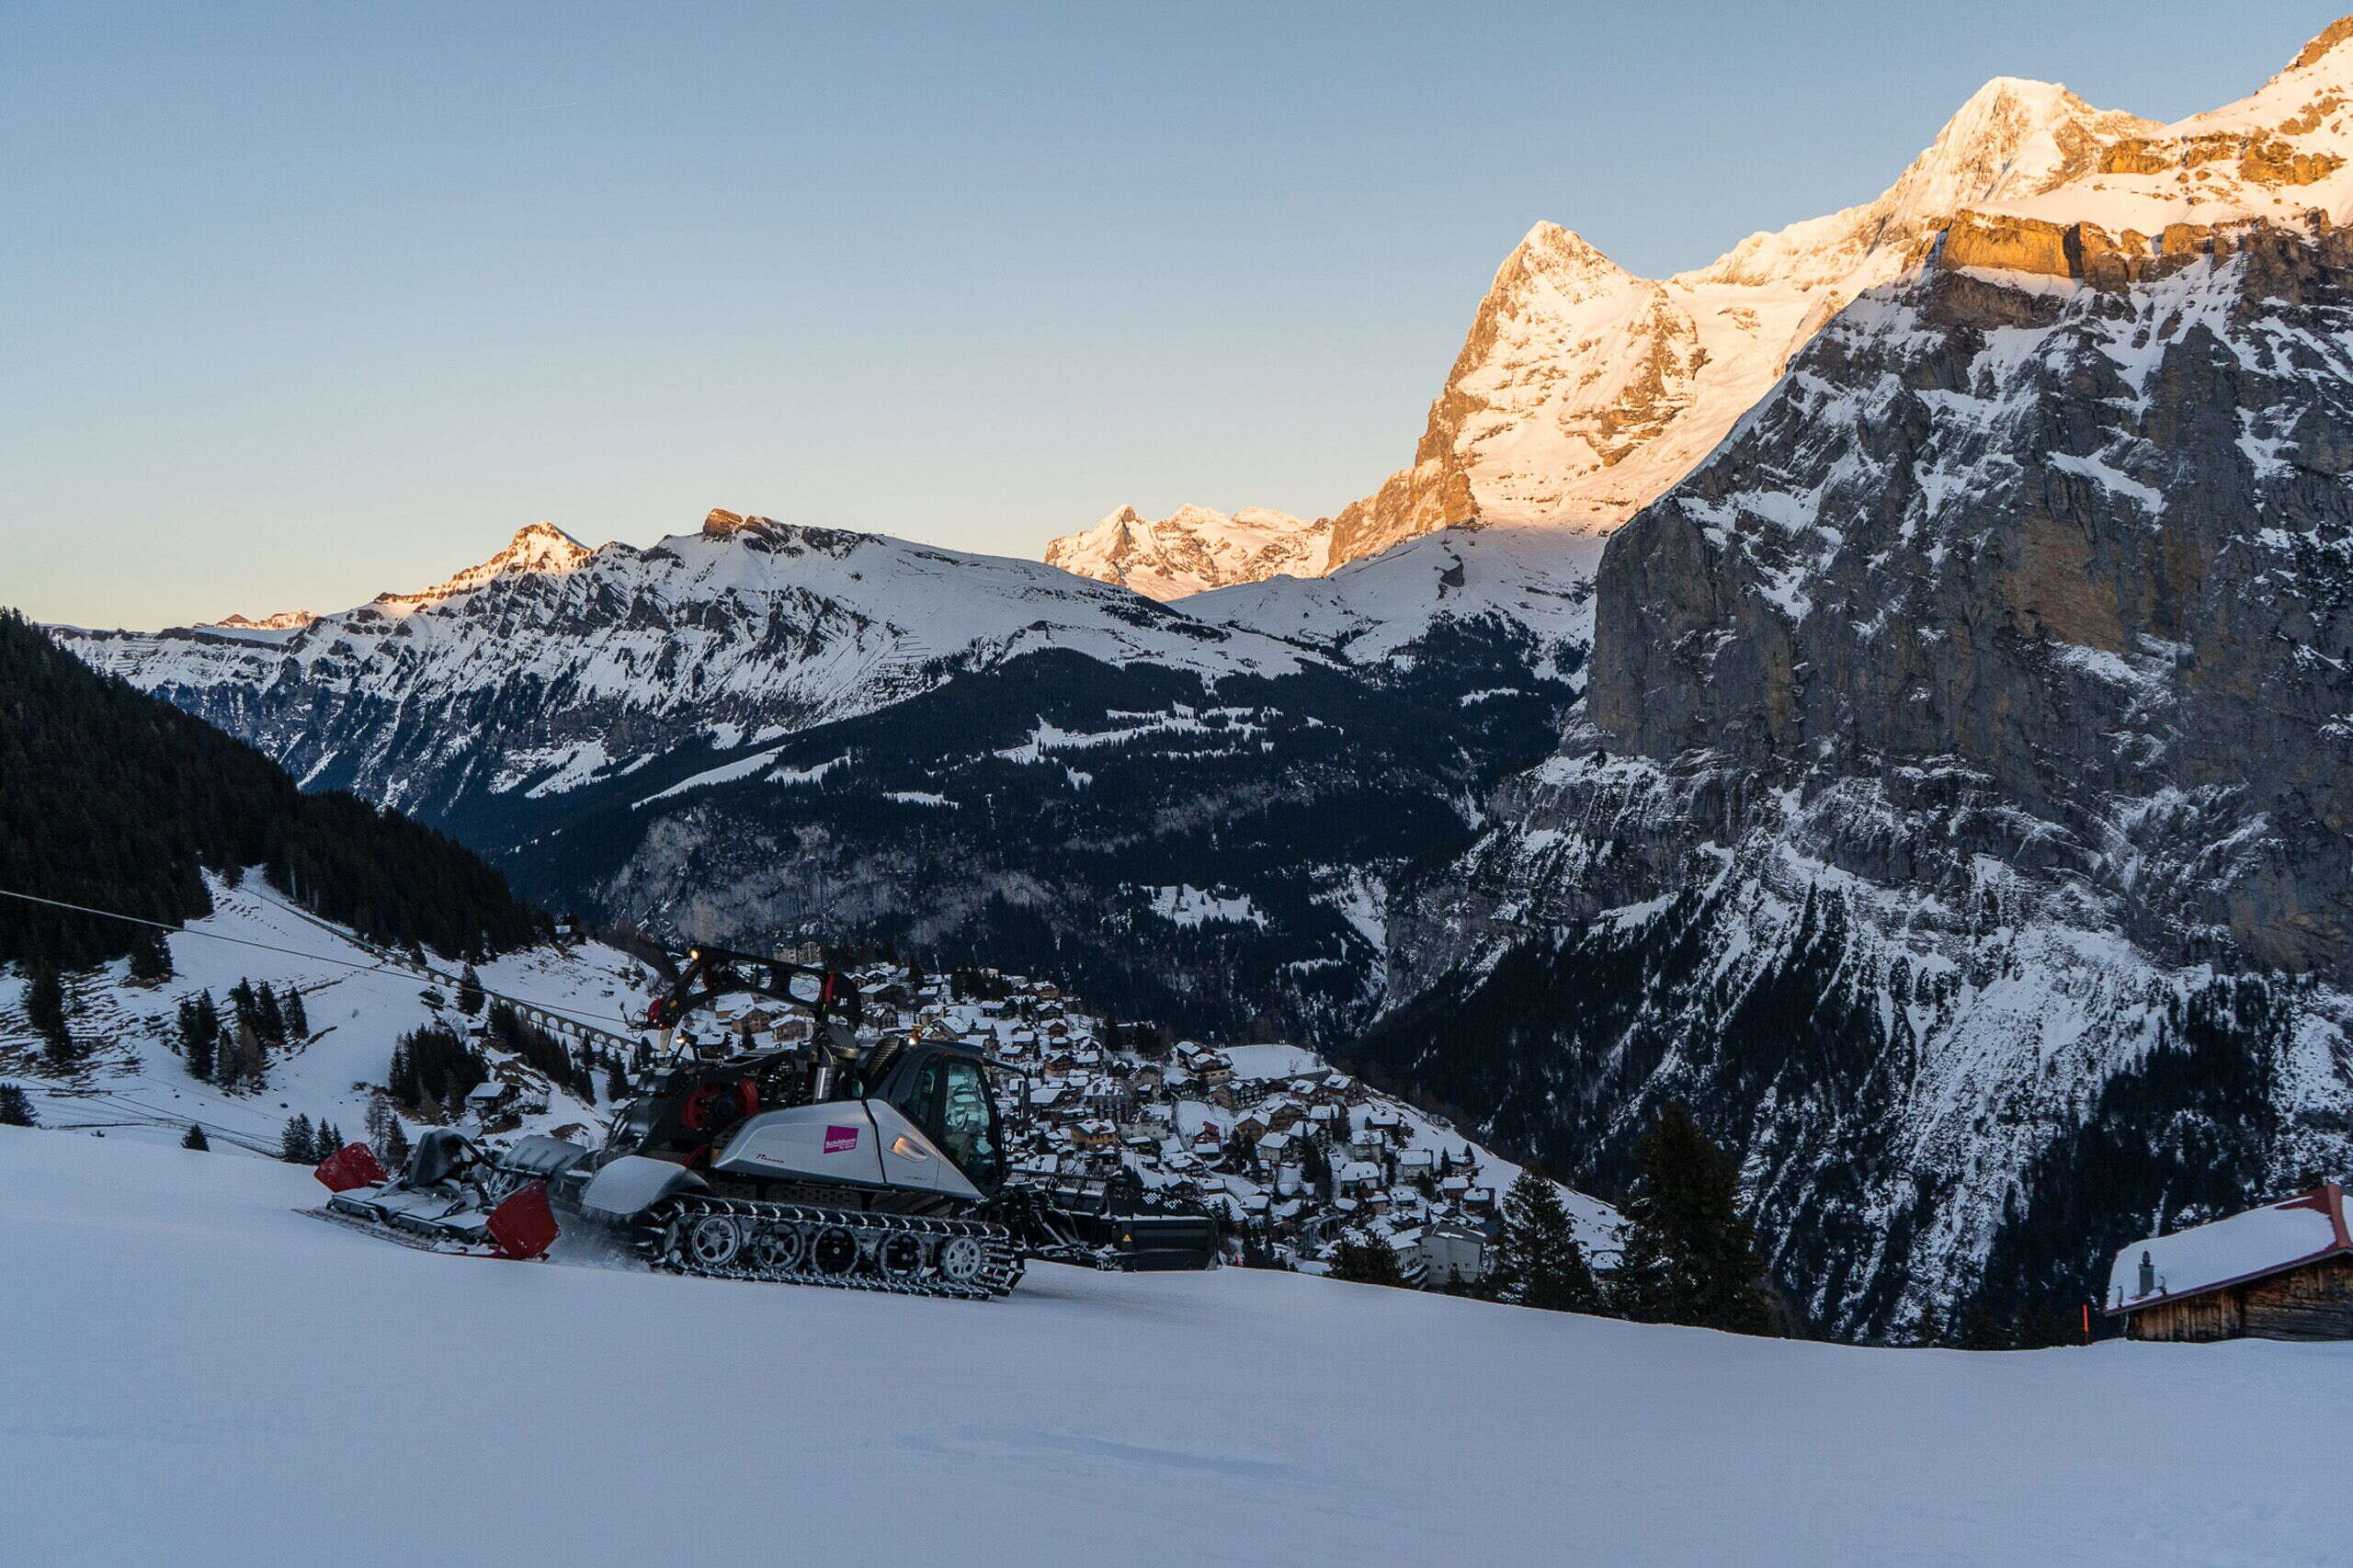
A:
114,800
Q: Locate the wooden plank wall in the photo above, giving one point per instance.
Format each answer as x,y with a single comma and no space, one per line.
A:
2314,1302
2307,1303
2216,1314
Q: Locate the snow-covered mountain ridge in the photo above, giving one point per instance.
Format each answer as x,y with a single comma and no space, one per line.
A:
551,666
1194,549
758,731
1582,393
1957,813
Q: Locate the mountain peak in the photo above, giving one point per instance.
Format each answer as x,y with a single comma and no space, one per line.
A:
540,546
1551,252
2327,38
719,522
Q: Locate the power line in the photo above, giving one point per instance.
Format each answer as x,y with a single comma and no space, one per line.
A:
385,966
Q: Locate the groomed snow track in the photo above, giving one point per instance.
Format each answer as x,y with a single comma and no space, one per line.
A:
846,1249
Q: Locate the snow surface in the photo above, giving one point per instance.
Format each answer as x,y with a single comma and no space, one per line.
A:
1372,609
1190,905
219,1381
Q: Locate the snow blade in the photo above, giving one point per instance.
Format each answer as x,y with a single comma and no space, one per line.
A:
352,1165
523,1226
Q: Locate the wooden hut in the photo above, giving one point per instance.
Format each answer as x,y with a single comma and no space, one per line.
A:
2284,1271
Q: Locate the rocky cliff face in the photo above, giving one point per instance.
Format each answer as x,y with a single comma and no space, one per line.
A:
1959,813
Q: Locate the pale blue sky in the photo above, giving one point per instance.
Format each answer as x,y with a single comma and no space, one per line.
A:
303,303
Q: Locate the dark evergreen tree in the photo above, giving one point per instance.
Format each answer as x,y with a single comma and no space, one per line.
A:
327,1139
270,1018
470,997
45,1007
616,1083
195,1046
394,1150
1690,1253
151,960
15,1107
1315,1168
296,1145
297,1016
244,1006
1537,1260
432,1068
195,1138
1366,1263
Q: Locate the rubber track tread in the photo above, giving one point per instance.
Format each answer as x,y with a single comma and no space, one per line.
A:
660,1238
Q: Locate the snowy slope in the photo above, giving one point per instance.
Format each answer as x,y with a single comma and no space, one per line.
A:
1193,549
1536,581
133,1085
220,1382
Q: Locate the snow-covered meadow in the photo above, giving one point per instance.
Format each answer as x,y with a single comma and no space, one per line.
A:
196,1374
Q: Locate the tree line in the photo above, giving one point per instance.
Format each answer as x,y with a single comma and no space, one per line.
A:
118,801
231,1049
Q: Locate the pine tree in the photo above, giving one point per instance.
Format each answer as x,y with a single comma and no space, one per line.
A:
393,1151
45,1008
207,1016
195,1050
326,1141
1366,1263
243,1004
200,1027
1537,1261
469,992
379,1120
151,960
15,1107
298,1017
297,1146
270,1018
616,1083
1690,1253
195,1139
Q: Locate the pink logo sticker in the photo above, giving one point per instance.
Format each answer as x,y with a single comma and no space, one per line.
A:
840,1139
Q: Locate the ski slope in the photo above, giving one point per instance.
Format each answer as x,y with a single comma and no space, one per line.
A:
133,1085
199,1375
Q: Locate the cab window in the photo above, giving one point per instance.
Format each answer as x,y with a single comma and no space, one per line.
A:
951,1105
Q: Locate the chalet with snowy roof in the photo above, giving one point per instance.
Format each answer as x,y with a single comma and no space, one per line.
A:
2283,1272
